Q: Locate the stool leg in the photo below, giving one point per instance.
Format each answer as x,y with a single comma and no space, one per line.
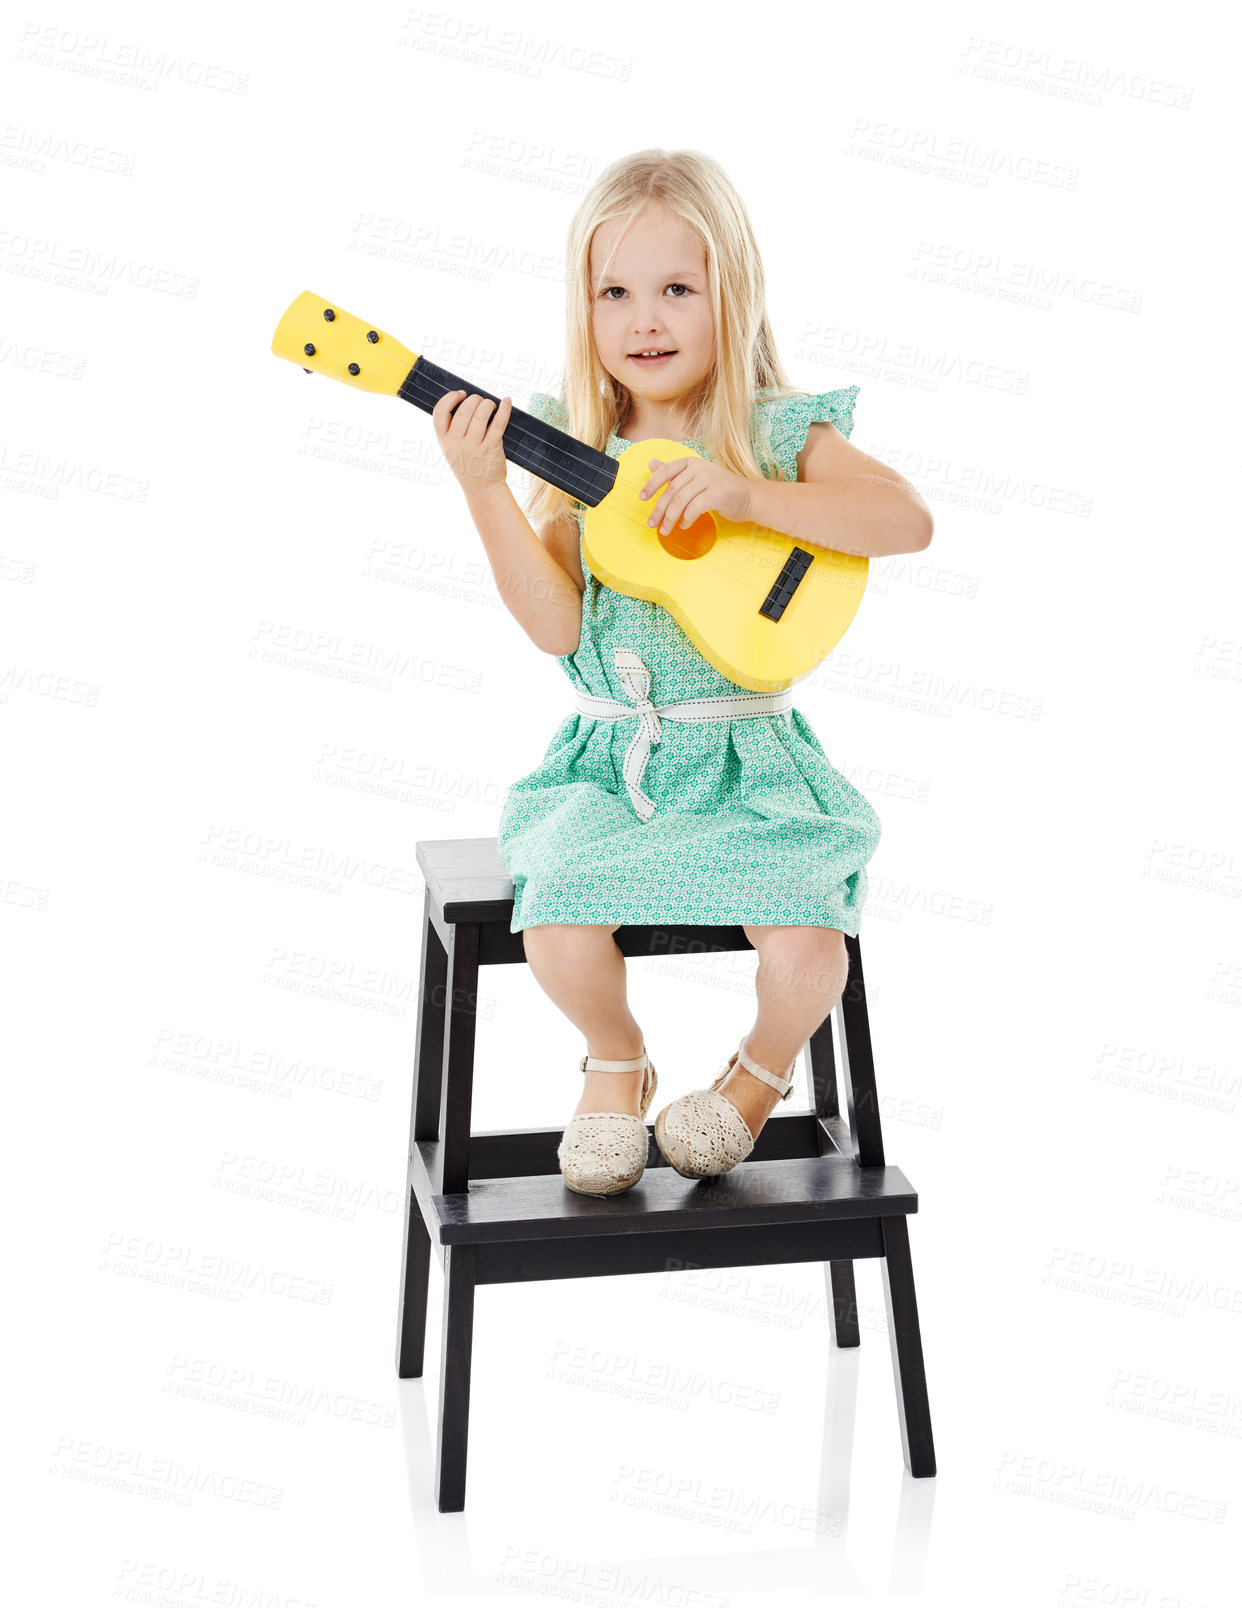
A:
412,1311
456,1338
424,1115
429,1047
906,1345
838,1276
842,1302
453,1150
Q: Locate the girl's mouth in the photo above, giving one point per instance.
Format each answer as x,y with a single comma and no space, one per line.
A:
651,362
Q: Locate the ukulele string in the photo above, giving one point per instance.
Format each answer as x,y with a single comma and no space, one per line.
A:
577,486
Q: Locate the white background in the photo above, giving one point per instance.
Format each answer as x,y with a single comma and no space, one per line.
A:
1012,234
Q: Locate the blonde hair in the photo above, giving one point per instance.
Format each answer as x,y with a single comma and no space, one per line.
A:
696,189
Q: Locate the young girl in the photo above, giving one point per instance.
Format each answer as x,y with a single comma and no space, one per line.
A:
738,819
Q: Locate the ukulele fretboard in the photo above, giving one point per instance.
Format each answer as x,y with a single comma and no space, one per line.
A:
528,442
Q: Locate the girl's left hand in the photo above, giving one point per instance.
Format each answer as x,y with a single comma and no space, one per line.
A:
695,487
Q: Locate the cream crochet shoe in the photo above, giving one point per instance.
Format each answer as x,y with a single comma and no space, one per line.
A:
603,1152
703,1133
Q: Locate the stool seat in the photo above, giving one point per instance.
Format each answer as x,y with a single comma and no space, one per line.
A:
494,1207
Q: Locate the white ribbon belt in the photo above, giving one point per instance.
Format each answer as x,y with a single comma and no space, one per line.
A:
636,679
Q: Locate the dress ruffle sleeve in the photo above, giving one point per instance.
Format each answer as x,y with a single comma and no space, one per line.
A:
548,410
781,425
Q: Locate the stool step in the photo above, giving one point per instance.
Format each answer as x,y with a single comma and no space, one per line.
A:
802,1189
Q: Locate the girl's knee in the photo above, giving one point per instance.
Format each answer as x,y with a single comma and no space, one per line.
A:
797,940
554,940
811,958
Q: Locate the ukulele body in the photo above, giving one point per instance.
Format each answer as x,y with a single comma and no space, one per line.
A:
716,577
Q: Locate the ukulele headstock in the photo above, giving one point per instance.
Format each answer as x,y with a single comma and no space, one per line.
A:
320,336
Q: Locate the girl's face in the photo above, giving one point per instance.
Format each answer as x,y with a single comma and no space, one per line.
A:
649,293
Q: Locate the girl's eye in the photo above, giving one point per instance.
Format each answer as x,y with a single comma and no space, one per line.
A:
674,285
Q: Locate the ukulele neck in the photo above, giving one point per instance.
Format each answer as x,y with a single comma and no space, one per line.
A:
541,449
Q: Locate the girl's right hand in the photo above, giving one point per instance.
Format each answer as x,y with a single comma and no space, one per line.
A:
469,428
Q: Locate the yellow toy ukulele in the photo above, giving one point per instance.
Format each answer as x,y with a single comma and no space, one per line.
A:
762,608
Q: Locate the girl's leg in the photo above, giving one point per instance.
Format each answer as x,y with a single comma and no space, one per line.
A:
582,972
800,977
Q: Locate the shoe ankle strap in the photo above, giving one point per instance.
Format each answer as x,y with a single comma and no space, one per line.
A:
592,1063
783,1086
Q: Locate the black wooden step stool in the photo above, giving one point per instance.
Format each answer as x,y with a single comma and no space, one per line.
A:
814,1189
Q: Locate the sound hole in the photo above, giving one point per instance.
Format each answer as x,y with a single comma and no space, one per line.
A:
700,538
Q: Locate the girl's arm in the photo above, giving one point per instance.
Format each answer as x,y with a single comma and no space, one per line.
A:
843,499
536,589
539,592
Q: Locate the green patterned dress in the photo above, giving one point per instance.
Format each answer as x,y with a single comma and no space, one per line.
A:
751,824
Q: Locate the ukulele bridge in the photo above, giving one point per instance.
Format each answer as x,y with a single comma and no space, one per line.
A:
786,583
